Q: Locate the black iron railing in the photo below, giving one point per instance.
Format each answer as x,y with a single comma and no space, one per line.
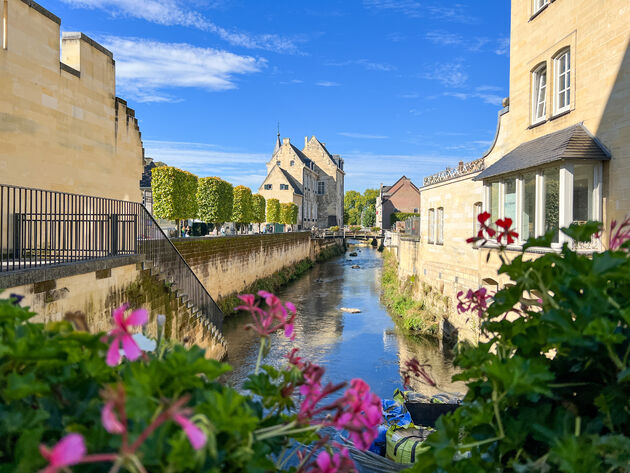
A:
43,228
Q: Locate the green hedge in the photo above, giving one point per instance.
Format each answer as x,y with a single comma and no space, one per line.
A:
215,198
401,217
174,193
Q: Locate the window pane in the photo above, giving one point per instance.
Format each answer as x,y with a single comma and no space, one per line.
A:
509,200
583,192
440,225
431,225
528,216
552,203
476,225
493,205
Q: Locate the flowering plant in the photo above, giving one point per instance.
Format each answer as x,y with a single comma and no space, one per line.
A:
73,401
548,389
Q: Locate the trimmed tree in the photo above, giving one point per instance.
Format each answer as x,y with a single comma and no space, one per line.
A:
242,212
258,209
273,211
174,194
289,213
215,198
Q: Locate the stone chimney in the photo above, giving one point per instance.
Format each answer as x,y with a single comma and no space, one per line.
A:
286,141
305,141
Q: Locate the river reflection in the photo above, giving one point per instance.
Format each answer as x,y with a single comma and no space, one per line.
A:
367,345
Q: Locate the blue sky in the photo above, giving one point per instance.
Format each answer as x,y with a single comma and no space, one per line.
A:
394,86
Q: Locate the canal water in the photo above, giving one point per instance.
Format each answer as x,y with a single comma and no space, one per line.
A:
367,345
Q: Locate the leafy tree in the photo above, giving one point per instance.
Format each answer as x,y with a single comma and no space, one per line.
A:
273,211
288,213
401,217
215,199
368,217
370,195
354,203
258,207
242,211
174,193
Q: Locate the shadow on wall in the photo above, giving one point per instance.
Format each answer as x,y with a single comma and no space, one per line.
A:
613,131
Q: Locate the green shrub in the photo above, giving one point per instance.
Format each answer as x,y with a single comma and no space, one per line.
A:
258,206
215,199
376,229
174,193
334,228
401,217
273,211
549,388
355,229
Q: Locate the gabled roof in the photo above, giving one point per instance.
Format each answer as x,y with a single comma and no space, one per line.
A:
295,185
574,142
292,182
302,156
391,190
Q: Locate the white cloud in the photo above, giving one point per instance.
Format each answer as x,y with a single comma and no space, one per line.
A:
365,136
204,159
327,83
369,65
488,88
145,68
451,39
417,9
449,74
503,47
492,99
175,12
292,81
411,95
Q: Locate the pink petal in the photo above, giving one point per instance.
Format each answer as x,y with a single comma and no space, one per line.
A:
113,353
323,461
69,450
290,306
119,315
130,347
195,435
110,421
288,331
137,317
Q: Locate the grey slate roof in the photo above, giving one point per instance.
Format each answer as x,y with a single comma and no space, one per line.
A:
575,142
292,181
302,156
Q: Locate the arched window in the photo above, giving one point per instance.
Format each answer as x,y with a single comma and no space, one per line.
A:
539,94
562,82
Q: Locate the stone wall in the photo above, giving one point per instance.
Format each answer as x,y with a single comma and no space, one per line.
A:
228,265
62,118
95,288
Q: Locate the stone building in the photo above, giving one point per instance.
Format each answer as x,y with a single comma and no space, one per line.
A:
561,151
403,196
61,125
312,178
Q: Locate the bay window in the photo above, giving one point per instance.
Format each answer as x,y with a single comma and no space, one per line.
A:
547,199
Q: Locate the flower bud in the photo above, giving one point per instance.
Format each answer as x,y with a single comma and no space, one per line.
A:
161,320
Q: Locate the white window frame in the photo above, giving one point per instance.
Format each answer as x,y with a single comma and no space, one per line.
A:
539,5
431,227
539,94
564,57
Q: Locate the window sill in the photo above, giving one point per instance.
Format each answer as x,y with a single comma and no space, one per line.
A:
560,114
537,124
531,18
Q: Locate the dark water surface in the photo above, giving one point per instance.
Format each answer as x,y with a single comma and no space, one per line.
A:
367,345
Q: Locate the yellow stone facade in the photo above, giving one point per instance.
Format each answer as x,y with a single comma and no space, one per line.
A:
598,38
61,125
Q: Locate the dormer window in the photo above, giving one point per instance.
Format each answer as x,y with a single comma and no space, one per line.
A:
539,5
562,87
539,94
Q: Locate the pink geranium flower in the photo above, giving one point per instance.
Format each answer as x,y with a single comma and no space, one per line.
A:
121,335
340,462
69,451
110,421
277,316
196,436
360,414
